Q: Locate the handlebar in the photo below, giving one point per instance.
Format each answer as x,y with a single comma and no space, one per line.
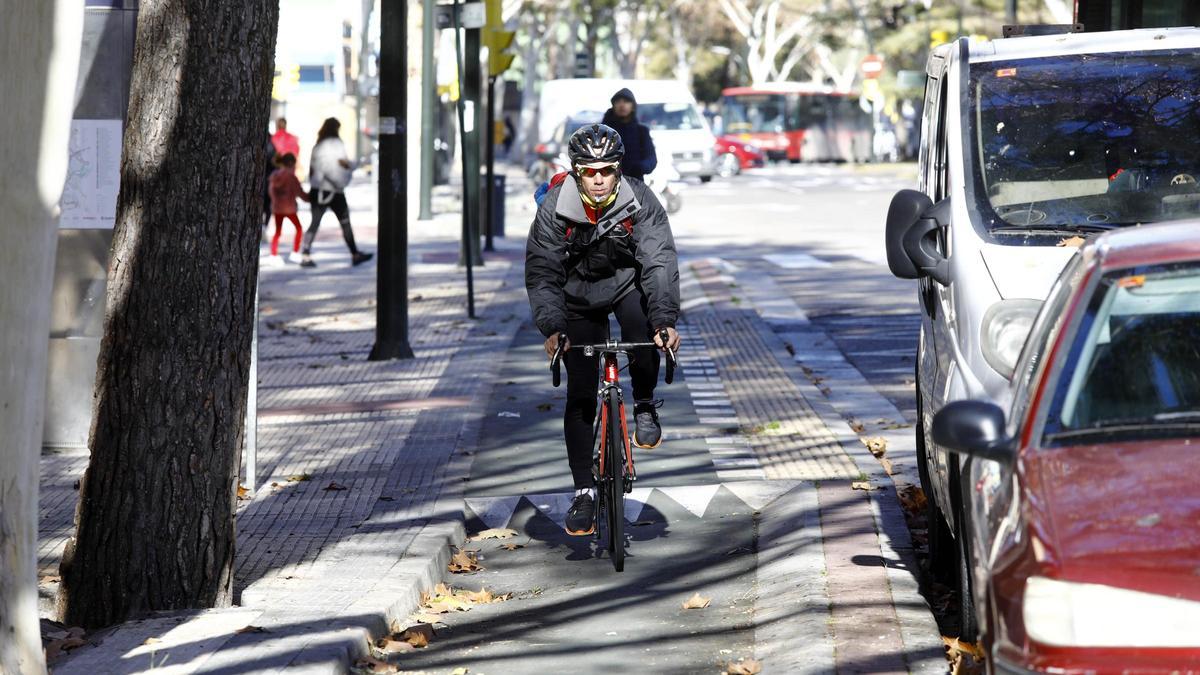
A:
610,347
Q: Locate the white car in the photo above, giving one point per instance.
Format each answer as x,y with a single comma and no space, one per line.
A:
1029,144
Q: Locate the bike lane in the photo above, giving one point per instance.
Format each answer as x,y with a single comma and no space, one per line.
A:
747,503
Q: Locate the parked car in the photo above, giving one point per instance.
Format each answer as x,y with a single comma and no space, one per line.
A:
1027,143
1085,517
735,154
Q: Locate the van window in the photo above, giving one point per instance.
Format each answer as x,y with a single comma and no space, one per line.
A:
941,164
669,116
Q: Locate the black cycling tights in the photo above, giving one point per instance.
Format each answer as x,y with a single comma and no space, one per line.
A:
583,376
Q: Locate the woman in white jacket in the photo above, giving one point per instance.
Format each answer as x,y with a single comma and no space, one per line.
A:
329,174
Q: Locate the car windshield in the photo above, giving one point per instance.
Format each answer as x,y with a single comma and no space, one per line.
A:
1088,141
1134,368
751,113
669,116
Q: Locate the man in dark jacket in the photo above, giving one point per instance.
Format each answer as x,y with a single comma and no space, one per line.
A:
600,245
640,158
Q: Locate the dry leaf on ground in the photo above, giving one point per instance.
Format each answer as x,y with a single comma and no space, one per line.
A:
252,629
876,444
913,499
54,648
743,667
243,492
965,657
152,641
464,561
390,645
494,533
887,465
49,579
418,636
862,485
858,427
511,547
697,601
297,477
333,485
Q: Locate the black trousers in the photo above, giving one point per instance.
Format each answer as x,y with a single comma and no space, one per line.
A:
583,376
340,209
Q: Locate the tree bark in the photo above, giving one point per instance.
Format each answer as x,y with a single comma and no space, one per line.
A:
39,62
155,524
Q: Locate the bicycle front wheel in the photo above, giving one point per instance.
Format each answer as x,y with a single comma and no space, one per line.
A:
617,451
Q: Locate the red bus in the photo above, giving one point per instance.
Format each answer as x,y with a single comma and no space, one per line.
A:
798,121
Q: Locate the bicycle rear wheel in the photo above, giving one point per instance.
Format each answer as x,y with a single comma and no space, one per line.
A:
615,486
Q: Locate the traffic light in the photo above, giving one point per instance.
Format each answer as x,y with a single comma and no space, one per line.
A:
286,79
497,39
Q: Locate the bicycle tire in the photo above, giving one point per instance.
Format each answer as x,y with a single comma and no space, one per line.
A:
617,451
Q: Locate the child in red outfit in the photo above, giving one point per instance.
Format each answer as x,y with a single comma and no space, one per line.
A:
285,188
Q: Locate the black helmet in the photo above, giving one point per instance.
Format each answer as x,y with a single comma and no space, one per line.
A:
595,144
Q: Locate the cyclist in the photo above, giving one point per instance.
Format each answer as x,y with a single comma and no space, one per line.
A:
601,244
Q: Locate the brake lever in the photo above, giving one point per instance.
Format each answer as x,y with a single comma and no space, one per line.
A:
665,337
556,361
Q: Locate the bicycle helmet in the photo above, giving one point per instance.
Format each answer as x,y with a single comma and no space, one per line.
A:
595,146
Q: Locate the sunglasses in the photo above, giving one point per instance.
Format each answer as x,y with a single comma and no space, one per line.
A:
590,172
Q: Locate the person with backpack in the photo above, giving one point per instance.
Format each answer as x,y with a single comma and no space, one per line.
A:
329,174
601,244
640,157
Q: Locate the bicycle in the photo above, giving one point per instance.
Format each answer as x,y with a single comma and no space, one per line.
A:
613,470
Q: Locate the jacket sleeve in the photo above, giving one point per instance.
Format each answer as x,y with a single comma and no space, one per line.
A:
545,274
657,261
650,160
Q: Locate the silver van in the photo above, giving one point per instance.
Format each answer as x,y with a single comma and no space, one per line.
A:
1029,146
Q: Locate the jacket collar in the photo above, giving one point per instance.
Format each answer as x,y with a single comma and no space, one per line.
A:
571,208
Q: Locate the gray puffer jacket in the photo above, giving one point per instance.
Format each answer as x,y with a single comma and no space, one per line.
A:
565,267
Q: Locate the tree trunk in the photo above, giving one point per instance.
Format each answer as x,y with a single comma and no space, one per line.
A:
155,518
39,46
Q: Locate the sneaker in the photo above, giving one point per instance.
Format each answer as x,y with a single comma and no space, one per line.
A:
581,517
306,261
273,261
360,258
647,432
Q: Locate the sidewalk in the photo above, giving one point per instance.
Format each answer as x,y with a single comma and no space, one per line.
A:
359,464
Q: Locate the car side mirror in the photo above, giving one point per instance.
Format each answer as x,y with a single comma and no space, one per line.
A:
975,428
913,222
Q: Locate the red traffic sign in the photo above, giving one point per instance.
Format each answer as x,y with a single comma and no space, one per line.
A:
871,66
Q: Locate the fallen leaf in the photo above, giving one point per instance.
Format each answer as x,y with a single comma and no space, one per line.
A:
389,645
743,667
511,547
243,492
422,617
50,579
876,444
460,671
252,629
374,665
858,427
697,601
463,561
862,485
298,477
333,485
958,651
494,533
913,499
418,635
55,648
1072,242
545,407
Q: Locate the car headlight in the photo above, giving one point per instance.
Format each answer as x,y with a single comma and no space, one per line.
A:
1005,327
1069,614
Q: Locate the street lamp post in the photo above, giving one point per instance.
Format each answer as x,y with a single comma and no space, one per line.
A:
391,279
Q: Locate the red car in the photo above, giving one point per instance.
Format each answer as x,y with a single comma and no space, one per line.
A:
1085,530
734,154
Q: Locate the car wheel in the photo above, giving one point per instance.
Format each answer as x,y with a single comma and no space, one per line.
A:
705,179
968,625
943,556
728,165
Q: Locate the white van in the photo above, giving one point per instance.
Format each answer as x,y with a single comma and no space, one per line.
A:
1029,145
667,107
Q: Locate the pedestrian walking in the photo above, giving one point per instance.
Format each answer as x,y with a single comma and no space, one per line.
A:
266,184
285,188
640,158
283,140
329,171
